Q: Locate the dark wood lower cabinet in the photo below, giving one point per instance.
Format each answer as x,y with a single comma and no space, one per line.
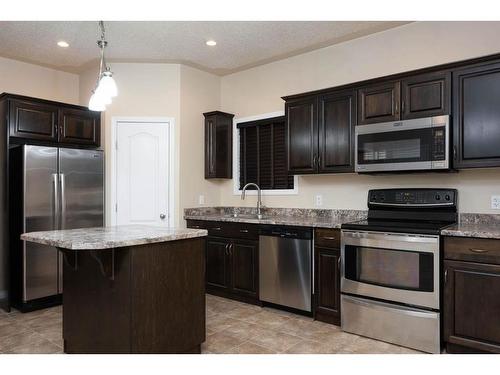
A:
471,307
217,265
327,276
244,259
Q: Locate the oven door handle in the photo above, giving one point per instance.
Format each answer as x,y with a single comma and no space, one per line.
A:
391,241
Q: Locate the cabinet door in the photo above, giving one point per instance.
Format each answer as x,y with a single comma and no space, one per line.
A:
302,135
79,127
217,267
327,284
244,267
32,120
337,113
426,95
210,146
472,305
476,125
379,103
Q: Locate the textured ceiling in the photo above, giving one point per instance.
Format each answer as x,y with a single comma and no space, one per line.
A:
240,45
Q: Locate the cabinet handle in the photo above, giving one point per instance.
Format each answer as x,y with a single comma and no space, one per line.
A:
231,249
445,276
454,152
216,228
314,162
227,249
243,230
479,251
195,226
338,264
319,161
397,108
403,106
329,238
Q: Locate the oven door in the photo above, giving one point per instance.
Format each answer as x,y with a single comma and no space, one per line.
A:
418,144
395,267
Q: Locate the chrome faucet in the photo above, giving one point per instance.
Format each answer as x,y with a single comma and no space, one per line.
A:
259,197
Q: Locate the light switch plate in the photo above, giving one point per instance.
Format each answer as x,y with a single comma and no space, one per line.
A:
495,202
319,200
201,200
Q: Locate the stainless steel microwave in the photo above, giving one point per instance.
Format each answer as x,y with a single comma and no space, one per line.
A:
417,144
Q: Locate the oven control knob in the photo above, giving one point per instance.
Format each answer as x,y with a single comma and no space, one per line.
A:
447,197
438,197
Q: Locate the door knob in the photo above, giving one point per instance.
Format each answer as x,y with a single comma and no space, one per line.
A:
162,216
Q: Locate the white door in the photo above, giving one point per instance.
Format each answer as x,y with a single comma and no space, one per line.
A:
142,152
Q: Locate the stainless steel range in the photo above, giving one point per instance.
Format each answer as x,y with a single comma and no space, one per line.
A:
390,275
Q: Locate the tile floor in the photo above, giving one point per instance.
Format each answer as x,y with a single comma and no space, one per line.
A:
232,328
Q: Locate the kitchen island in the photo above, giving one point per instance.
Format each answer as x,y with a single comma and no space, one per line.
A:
131,289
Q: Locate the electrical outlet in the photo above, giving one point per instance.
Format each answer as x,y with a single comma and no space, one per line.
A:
319,200
495,202
201,200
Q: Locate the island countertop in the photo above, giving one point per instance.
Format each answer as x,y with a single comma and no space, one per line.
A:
110,237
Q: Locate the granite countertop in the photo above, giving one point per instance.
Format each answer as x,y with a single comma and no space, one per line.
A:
314,218
110,237
478,230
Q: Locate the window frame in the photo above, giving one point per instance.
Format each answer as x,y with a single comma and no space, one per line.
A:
236,158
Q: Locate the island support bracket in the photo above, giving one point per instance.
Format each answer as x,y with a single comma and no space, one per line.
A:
105,259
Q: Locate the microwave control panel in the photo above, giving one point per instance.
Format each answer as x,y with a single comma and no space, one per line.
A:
438,143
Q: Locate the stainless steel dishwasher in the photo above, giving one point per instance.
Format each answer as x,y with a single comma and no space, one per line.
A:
285,267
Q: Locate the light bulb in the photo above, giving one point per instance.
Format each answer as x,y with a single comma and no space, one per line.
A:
101,93
96,103
108,84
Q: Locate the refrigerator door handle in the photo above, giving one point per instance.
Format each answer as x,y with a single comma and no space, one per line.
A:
63,200
55,206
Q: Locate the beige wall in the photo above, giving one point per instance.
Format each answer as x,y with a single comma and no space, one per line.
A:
21,78
32,80
200,92
144,90
258,90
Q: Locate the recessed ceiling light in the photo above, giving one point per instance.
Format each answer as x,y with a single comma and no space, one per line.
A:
211,43
63,44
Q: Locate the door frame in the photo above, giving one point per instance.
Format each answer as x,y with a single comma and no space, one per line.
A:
168,121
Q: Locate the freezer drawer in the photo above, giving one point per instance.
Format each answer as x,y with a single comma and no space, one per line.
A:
285,271
405,326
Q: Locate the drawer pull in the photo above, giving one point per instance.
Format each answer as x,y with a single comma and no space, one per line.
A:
216,228
329,238
479,251
195,226
243,230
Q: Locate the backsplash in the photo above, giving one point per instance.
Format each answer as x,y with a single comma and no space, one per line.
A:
469,218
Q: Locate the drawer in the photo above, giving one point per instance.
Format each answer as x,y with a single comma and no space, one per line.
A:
327,238
196,224
479,250
225,229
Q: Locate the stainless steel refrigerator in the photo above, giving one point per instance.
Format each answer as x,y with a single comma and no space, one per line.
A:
61,188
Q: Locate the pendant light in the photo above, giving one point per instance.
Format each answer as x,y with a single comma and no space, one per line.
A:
105,88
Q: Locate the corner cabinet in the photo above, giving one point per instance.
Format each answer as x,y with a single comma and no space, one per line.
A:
320,132
218,145
471,303
476,117
38,121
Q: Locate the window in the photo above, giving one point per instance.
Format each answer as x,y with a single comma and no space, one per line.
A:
262,153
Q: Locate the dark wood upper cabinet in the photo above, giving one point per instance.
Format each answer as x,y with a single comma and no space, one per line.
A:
218,145
426,95
32,120
337,114
476,116
302,135
51,123
79,127
379,103
244,263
